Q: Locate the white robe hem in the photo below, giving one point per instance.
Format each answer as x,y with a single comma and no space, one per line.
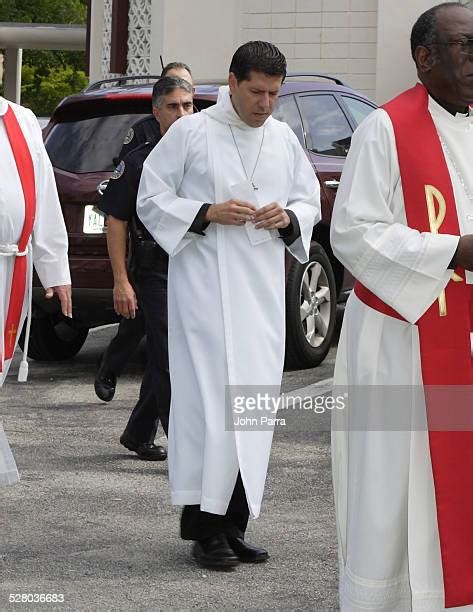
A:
185,498
9,478
194,498
359,594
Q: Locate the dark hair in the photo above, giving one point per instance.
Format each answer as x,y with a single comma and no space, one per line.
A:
259,56
424,32
167,85
175,66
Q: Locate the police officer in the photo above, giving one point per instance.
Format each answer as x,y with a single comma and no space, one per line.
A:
172,98
147,130
131,331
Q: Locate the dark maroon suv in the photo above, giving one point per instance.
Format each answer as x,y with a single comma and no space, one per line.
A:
84,136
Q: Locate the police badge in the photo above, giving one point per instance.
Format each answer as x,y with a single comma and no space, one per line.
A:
119,170
129,136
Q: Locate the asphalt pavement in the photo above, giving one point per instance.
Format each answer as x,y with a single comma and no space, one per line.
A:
91,525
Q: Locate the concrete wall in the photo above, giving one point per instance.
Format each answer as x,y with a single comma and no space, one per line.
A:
395,67
96,40
364,42
332,36
203,34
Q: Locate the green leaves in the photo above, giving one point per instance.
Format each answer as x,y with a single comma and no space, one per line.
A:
48,76
42,93
44,11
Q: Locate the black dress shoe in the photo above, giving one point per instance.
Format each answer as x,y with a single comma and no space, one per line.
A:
214,553
105,383
247,553
145,450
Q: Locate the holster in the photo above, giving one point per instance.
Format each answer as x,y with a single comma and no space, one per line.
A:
145,253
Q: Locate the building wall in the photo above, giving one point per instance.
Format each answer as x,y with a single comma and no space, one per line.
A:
203,34
332,36
336,37
395,67
139,37
178,31
364,42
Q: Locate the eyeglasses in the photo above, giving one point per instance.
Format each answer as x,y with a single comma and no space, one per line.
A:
465,45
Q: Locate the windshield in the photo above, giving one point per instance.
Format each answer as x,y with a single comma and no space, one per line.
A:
89,145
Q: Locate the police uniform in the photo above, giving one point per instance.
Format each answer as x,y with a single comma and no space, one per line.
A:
148,273
144,130
130,331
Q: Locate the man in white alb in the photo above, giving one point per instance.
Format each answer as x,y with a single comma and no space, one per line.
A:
403,225
32,231
224,192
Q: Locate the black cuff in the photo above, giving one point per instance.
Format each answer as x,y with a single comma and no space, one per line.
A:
452,265
200,224
292,232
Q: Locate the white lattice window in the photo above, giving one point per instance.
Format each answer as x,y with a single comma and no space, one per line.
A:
107,33
139,37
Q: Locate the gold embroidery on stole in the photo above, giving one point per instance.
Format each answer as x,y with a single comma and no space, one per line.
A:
432,194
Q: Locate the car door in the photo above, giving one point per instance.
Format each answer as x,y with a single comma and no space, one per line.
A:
356,108
328,135
329,119
287,110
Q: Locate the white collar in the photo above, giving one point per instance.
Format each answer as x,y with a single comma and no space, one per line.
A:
3,106
459,119
224,111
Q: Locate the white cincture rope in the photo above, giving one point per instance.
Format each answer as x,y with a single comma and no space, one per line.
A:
23,371
11,250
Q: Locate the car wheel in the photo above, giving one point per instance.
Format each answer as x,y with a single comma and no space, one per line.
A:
52,338
311,307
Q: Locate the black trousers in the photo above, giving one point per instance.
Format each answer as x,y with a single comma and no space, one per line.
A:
198,525
155,393
143,422
124,343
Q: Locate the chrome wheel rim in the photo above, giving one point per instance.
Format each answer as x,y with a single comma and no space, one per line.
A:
315,309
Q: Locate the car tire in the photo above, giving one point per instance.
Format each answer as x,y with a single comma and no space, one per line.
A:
311,310
52,338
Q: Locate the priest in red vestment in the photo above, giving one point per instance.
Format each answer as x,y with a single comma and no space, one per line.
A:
403,225
32,233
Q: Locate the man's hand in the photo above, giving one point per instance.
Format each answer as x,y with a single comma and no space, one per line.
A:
464,253
64,294
271,216
231,212
124,299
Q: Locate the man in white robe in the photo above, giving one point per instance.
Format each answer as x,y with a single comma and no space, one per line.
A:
48,244
226,289
389,548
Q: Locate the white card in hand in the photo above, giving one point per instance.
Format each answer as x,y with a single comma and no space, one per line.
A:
244,191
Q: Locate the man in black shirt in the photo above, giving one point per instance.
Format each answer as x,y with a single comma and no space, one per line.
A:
172,98
131,331
147,130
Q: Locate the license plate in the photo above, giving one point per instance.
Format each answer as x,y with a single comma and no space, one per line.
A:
94,222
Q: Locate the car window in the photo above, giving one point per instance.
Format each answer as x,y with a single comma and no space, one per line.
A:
88,145
328,128
286,110
358,109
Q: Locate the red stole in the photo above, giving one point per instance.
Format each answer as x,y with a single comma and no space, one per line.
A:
25,167
444,333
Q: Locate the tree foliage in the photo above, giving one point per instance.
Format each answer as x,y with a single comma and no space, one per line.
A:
44,11
48,76
43,94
